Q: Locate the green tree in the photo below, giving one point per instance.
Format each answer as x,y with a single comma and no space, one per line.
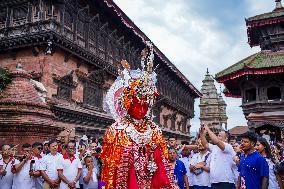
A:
5,78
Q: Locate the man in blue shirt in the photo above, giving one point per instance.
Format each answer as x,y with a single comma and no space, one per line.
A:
253,168
179,170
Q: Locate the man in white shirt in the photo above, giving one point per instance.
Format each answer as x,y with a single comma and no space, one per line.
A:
23,170
49,167
37,156
6,164
69,168
186,158
222,155
199,166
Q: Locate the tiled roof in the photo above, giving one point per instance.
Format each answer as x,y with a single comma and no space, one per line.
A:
238,130
267,15
260,60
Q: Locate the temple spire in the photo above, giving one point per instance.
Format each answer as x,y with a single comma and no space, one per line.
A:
278,5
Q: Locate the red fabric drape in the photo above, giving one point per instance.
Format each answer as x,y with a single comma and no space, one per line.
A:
160,178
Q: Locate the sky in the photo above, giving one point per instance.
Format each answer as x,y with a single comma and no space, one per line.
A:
199,34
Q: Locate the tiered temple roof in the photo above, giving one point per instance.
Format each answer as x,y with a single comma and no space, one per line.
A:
212,105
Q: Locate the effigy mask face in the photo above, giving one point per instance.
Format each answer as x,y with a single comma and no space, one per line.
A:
138,108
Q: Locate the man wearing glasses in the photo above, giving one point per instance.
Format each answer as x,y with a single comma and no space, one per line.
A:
69,168
37,151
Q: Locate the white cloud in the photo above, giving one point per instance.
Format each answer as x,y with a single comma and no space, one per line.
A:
194,42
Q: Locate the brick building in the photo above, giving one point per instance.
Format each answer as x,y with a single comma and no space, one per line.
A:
71,49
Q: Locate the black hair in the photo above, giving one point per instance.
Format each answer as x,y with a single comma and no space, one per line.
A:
36,144
267,148
251,136
26,145
52,142
171,148
87,156
184,143
279,168
1,146
98,150
71,141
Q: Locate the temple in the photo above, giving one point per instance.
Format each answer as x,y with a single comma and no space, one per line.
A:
69,50
259,78
212,105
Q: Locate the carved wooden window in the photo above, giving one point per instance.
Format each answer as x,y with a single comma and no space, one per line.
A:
68,20
3,14
68,24
93,91
93,95
36,12
116,54
50,11
81,32
19,15
65,85
92,38
101,45
80,27
64,92
110,52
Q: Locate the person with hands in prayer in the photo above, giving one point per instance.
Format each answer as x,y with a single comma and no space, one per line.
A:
90,174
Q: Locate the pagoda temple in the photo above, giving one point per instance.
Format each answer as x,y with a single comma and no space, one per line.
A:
73,48
259,78
212,105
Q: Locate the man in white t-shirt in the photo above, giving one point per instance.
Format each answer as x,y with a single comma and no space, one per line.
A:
6,164
69,168
186,158
200,167
49,166
222,155
23,170
37,156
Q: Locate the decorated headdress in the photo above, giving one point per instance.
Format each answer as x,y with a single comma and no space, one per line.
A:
132,85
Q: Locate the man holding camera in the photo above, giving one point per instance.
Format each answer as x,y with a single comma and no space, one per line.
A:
199,166
37,156
222,155
23,170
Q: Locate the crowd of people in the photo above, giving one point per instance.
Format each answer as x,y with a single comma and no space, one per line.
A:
54,164
212,161
250,162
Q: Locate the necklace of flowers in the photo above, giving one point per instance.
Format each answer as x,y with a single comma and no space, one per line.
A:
136,136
